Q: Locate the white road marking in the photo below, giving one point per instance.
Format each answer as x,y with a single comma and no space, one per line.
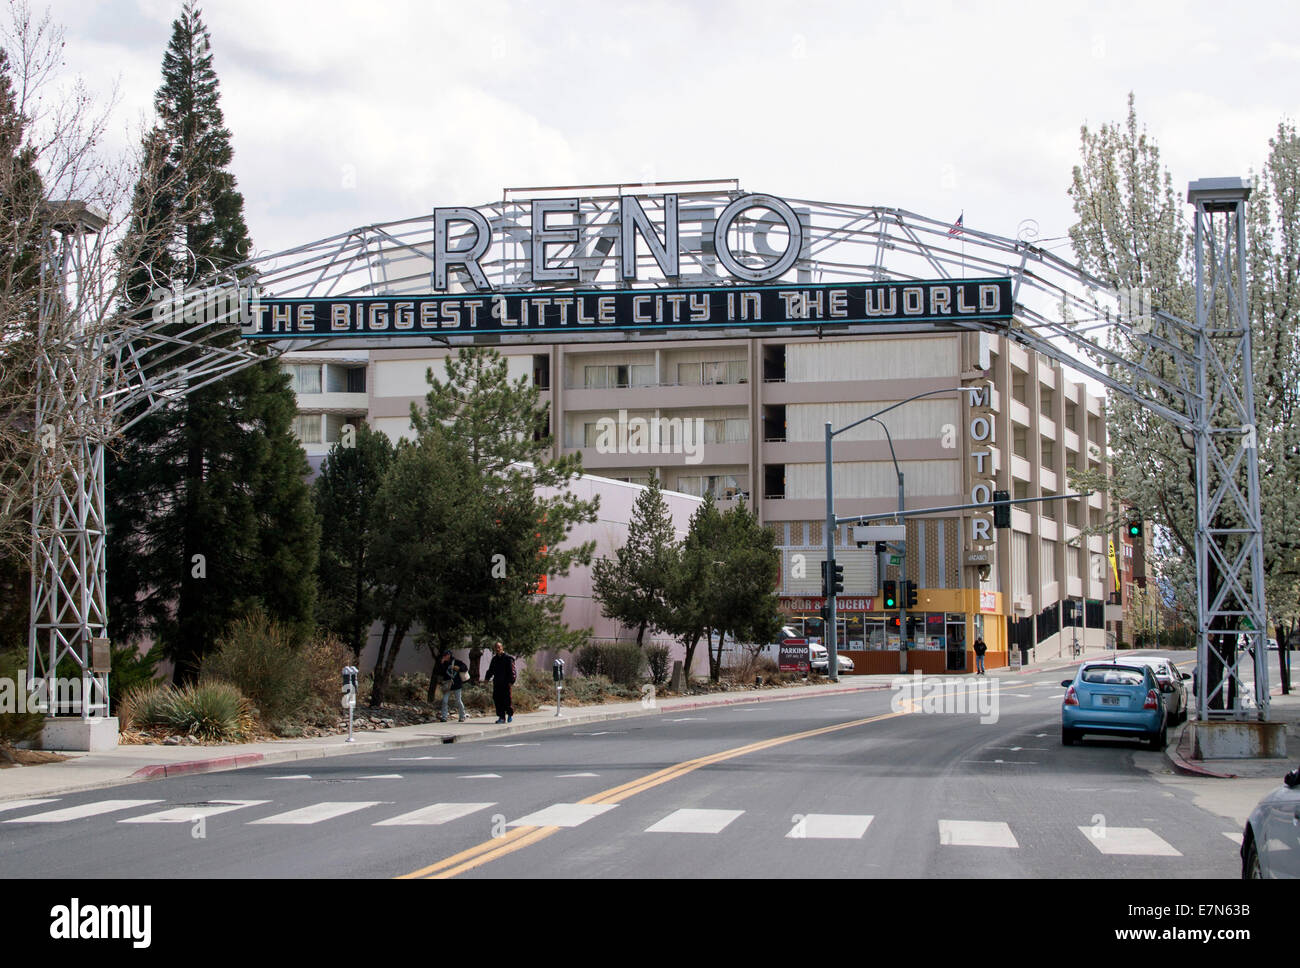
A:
694,822
1006,762
689,719
976,833
383,776
317,812
1234,836
1129,840
85,810
482,776
567,776
189,814
831,826
563,815
605,732
396,758
506,746
295,776
19,804
434,814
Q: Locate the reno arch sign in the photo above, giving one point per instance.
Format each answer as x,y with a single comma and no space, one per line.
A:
752,244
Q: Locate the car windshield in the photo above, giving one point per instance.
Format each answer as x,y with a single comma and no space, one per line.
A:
1113,675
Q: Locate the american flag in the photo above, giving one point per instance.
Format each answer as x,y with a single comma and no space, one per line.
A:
957,225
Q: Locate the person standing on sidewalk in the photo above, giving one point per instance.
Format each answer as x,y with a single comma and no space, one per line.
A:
980,649
501,672
449,672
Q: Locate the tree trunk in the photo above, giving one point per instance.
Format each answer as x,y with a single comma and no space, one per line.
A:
379,678
475,658
691,644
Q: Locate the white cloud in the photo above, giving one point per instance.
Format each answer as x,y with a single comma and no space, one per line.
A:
934,108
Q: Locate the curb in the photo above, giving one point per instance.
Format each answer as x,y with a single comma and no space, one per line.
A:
1182,766
160,770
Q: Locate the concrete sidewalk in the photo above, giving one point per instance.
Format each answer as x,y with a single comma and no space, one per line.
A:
131,764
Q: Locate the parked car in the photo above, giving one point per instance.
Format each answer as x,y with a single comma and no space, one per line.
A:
821,661
1270,844
1114,698
1171,683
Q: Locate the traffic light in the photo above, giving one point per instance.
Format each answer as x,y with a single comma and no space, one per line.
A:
839,579
911,627
1001,509
891,593
909,593
1134,524
825,591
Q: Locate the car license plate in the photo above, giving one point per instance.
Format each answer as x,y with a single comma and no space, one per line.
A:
1110,700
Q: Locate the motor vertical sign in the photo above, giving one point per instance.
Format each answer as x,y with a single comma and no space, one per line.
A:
979,473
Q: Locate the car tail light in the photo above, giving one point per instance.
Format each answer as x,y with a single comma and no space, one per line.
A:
1071,699
1153,700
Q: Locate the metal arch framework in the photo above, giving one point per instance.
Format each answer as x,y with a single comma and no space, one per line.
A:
1168,365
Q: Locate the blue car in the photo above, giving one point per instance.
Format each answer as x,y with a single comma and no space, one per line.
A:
1114,699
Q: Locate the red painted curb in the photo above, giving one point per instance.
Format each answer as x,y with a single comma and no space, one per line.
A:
197,766
1185,768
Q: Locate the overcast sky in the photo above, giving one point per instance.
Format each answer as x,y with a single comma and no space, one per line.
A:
346,114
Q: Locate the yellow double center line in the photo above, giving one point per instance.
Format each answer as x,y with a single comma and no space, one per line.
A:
522,837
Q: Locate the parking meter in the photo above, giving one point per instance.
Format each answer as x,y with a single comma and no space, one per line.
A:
350,694
557,673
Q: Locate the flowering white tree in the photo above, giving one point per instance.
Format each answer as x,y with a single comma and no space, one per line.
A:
1134,232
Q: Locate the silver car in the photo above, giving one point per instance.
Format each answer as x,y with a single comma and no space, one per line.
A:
1171,681
1270,844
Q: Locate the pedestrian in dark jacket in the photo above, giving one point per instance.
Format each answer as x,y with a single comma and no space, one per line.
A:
449,670
980,649
501,672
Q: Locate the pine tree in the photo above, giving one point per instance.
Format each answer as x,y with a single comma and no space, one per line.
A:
632,587
209,511
345,495
519,515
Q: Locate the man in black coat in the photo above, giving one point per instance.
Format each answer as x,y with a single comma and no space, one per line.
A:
501,673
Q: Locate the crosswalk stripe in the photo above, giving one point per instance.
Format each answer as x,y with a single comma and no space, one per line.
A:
830,826
1129,840
563,815
434,814
85,810
694,821
19,804
976,833
191,813
383,776
317,812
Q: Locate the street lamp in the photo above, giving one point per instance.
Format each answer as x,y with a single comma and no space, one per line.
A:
832,649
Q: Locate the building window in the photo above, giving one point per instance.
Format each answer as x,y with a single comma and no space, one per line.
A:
1018,387
1048,451
721,486
604,377
1020,442
335,422
711,373
731,431
305,377
307,427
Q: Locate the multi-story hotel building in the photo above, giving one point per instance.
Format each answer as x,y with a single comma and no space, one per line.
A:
757,410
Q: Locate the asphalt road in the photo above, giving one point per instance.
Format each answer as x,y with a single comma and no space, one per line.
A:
841,786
